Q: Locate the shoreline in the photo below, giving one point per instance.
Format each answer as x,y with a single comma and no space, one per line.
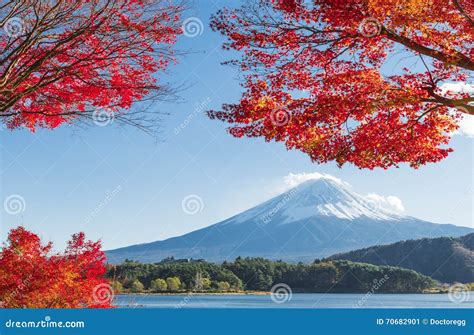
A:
257,293
197,293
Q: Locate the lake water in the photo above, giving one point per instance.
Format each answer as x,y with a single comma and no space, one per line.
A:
295,301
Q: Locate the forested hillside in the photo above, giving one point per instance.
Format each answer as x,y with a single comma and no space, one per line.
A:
446,259
259,274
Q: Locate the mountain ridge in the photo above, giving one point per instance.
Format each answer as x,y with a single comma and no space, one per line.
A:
446,259
315,219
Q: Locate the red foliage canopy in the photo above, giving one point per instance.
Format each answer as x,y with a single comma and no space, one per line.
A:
32,277
315,77
64,60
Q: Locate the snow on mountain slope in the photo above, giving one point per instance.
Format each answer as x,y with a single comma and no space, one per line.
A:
319,197
315,219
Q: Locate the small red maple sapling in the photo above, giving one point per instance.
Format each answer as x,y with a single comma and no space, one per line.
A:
31,276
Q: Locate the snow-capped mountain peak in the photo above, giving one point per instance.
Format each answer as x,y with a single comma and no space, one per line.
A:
315,198
315,219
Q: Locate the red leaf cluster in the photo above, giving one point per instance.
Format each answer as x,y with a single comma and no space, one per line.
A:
31,276
70,58
321,68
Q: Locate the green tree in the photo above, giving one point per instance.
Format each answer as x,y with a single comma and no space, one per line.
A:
116,286
205,283
159,285
174,283
137,286
223,286
256,273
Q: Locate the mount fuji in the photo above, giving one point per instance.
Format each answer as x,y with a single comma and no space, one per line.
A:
315,219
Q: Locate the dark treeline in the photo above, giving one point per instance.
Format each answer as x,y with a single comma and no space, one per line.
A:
446,259
258,274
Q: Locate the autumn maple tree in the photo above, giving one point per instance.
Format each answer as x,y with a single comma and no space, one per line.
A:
67,60
32,276
358,81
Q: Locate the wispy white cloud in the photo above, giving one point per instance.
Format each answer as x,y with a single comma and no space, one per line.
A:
389,203
466,125
459,87
294,179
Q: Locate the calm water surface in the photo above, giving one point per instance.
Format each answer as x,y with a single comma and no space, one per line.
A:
296,301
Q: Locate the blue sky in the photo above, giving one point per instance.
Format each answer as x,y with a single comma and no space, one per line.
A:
122,186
